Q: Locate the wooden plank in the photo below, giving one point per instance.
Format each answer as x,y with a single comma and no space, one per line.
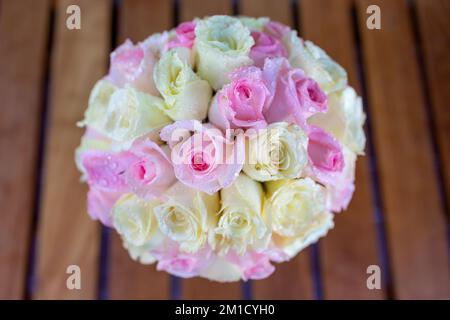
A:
22,52
201,288
414,217
129,279
344,261
67,236
291,280
279,10
434,27
190,9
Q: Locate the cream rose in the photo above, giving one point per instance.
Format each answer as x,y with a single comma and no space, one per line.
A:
141,254
187,96
315,63
298,212
131,114
222,45
133,218
242,223
276,152
220,269
186,215
98,104
344,119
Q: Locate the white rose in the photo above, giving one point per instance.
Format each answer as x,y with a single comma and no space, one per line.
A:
344,119
276,152
316,64
187,215
132,114
220,269
133,218
98,104
143,253
187,96
242,223
222,45
298,213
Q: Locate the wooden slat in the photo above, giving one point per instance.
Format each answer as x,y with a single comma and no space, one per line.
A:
434,26
414,217
22,52
129,279
279,10
67,236
291,280
344,261
200,288
190,9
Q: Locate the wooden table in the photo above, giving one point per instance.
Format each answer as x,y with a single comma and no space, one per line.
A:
398,219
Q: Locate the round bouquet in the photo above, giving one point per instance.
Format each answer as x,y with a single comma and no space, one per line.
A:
220,147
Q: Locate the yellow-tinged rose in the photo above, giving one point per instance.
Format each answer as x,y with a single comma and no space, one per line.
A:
242,223
276,152
317,229
222,44
142,253
315,63
187,96
98,104
134,220
221,270
344,119
132,114
187,215
298,212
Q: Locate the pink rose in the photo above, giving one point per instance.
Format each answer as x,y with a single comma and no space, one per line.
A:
133,64
340,190
296,97
106,179
276,29
182,264
338,197
265,46
152,173
203,158
106,170
325,155
100,202
241,103
184,35
254,265
145,169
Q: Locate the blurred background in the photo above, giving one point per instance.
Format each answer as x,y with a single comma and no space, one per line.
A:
399,217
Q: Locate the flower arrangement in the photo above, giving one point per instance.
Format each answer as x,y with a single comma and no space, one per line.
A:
220,147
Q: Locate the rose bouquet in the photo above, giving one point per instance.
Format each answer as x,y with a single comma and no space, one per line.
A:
220,147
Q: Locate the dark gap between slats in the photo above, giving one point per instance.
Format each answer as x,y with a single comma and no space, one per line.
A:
175,282
431,122
105,238
314,257
234,7
378,210
246,286
30,277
